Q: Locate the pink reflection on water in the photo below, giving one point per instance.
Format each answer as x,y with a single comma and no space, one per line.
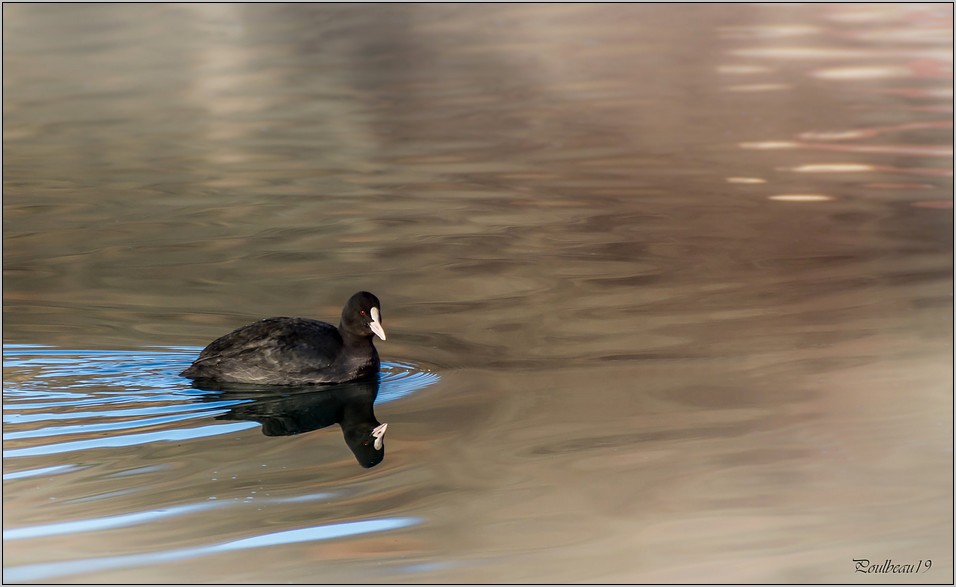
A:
898,186
910,150
920,93
932,109
873,132
932,68
832,168
934,204
860,168
743,69
746,180
875,43
867,72
770,87
800,198
926,171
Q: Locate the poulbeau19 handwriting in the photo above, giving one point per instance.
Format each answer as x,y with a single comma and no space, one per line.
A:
863,566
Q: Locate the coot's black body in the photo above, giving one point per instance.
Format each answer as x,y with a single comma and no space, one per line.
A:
297,351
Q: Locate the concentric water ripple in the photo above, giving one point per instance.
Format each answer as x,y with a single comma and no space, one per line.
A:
59,401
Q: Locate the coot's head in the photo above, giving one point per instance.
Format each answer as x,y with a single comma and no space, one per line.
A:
362,315
367,443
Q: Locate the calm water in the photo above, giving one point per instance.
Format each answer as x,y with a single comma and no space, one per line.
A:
668,290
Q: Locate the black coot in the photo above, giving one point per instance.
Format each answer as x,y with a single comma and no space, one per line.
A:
297,351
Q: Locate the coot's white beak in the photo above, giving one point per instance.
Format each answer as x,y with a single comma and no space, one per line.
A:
376,327
379,433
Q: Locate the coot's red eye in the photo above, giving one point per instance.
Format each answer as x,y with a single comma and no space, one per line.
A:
362,312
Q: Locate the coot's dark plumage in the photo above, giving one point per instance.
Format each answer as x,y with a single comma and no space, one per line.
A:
295,351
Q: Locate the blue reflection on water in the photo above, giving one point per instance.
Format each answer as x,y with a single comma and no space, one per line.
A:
108,373
315,533
43,471
110,426
131,439
58,402
101,393
90,525
45,571
121,413
134,518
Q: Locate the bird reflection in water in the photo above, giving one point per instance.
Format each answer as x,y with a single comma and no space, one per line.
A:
288,410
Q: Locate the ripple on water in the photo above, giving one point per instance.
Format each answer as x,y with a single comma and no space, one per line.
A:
60,404
61,401
308,534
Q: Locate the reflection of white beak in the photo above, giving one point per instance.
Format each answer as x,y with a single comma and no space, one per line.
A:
379,434
376,325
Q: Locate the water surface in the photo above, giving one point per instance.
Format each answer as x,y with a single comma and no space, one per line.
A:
668,289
